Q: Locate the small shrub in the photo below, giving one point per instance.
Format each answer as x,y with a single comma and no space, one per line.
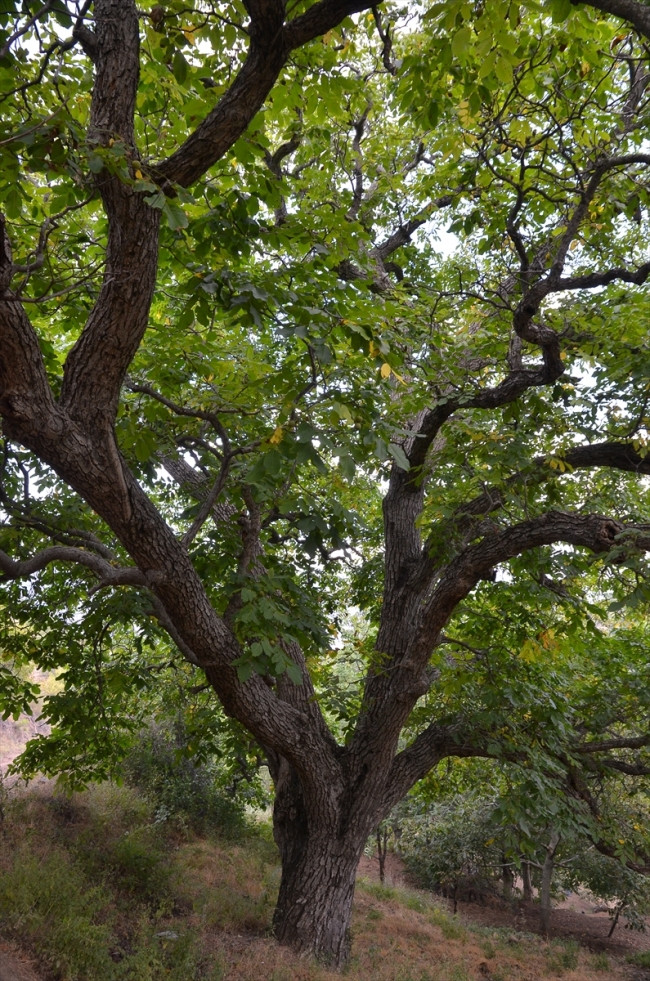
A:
488,949
642,959
417,904
165,954
601,962
85,896
458,973
47,902
451,928
563,956
139,865
379,891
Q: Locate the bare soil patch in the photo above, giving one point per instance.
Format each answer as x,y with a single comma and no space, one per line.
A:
15,966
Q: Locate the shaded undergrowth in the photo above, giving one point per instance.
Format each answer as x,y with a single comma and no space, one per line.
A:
98,888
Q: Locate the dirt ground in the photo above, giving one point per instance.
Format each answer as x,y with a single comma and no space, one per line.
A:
575,917
14,966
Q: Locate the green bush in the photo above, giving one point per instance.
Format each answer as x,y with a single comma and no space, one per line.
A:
139,865
641,959
179,787
563,956
48,902
76,927
450,847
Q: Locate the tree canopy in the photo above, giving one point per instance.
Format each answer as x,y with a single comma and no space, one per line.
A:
324,385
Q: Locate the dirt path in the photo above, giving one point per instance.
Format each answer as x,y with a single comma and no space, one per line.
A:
15,966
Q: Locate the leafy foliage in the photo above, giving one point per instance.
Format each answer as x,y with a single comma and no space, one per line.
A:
179,786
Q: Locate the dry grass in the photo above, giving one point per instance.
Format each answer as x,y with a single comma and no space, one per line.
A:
392,942
398,934
217,898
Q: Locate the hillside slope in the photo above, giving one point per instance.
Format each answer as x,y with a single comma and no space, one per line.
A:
97,890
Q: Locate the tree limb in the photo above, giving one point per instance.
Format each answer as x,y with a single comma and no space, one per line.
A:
619,742
108,574
596,532
616,456
271,42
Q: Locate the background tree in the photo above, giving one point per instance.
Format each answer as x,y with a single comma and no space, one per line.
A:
242,390
474,823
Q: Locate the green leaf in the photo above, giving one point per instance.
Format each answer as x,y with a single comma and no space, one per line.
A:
176,217
560,10
460,42
399,456
503,71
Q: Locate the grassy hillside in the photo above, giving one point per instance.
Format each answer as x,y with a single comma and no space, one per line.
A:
98,890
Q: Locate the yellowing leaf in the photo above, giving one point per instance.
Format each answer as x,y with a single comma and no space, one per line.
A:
547,638
188,33
277,436
373,350
466,117
386,370
530,651
138,174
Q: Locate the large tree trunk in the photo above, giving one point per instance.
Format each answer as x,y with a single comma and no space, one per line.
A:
320,848
315,899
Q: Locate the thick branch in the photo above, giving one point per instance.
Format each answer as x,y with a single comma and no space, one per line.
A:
615,456
437,742
97,364
117,71
393,690
595,532
596,279
25,395
616,742
320,18
426,751
271,42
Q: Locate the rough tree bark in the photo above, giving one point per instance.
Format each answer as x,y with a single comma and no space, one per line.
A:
320,851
